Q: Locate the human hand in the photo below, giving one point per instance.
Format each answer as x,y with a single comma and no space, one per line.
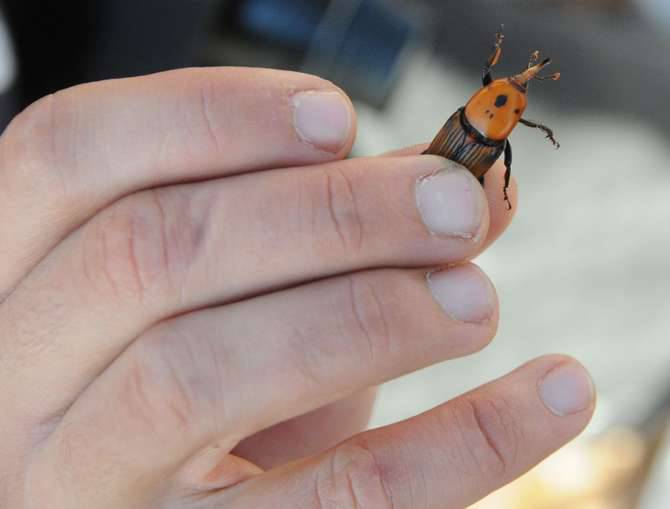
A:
166,291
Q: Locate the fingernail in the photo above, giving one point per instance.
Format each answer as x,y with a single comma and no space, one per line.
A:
567,389
322,119
451,202
464,293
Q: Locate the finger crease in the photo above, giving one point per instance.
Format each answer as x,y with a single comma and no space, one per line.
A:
358,316
483,428
331,210
205,107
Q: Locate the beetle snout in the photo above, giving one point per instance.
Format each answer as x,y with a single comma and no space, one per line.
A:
532,73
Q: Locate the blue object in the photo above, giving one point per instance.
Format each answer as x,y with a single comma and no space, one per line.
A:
357,43
291,22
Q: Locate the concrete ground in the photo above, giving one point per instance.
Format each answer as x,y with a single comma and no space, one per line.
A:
584,269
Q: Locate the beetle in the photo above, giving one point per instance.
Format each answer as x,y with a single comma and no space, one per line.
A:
477,134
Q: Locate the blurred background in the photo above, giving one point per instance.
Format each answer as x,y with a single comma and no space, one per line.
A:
583,269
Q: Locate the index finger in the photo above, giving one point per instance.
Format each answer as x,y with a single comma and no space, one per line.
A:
501,216
73,152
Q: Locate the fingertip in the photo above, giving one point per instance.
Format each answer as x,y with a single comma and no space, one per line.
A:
451,202
324,119
566,388
353,126
335,120
465,294
501,214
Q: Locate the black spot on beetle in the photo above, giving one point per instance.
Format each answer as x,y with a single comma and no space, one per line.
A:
517,111
501,101
491,115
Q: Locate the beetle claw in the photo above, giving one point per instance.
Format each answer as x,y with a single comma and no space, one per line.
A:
555,143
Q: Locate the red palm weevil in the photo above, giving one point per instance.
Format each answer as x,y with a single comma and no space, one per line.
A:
477,134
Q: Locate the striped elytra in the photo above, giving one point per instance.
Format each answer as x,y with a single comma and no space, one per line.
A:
454,142
476,135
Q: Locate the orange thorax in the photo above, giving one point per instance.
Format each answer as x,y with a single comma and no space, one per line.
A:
496,109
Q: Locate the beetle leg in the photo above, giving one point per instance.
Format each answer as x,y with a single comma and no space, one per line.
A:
534,58
493,59
548,132
508,172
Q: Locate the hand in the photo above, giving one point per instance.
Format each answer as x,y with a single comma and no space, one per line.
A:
166,291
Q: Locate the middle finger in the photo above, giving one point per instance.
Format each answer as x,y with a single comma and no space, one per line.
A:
167,251
222,374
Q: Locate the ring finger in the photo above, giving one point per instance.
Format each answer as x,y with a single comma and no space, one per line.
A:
221,374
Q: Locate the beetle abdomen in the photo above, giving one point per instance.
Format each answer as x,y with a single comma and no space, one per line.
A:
467,149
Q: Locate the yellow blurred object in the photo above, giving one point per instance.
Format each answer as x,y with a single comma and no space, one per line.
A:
600,473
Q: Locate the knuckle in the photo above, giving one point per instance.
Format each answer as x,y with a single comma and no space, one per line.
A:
197,120
353,478
366,319
361,317
39,143
141,247
342,212
156,391
170,385
206,107
490,434
123,250
29,132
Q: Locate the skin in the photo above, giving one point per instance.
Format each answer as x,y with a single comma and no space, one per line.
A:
174,334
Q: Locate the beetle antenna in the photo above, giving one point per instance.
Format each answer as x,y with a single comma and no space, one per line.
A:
534,58
497,48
